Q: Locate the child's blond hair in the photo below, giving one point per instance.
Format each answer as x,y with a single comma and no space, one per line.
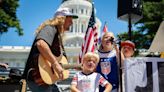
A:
91,55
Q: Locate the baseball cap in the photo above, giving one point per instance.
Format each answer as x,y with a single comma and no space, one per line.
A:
65,12
127,43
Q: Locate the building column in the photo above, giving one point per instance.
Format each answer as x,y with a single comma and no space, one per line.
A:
74,26
77,27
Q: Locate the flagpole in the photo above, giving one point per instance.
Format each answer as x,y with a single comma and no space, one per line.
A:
105,23
120,67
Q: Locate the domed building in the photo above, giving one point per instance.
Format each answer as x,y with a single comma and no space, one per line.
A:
74,37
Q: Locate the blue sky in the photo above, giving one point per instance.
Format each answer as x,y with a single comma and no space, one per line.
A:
32,13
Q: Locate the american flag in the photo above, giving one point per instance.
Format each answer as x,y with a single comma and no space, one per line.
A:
105,29
91,37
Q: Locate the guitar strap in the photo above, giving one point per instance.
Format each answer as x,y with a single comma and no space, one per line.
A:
62,47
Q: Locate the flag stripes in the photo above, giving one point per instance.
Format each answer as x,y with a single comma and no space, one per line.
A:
91,37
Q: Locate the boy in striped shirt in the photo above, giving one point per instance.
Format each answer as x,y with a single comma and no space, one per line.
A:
88,80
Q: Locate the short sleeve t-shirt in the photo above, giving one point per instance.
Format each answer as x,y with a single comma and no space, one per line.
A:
90,82
47,34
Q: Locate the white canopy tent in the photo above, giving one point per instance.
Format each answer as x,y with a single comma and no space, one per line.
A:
158,41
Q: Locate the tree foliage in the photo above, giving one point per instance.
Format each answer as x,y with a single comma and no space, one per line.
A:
8,18
146,28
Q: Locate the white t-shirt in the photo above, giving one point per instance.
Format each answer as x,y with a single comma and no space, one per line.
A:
90,82
135,73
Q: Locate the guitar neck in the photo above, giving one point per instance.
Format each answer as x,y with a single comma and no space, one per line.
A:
71,66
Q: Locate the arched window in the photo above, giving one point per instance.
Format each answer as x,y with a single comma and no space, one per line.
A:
86,12
82,28
82,11
71,29
72,11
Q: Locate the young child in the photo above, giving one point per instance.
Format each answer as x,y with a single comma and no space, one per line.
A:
127,51
127,48
88,80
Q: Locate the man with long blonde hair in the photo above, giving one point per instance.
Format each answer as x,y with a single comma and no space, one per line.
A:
48,43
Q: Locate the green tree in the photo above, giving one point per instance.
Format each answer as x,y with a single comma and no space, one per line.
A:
8,18
147,27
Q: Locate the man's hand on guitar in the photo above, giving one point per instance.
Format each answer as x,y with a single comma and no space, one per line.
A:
59,70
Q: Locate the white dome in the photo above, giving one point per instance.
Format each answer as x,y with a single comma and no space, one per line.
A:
73,3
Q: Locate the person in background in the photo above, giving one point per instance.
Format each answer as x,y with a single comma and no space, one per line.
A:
48,43
3,66
108,64
134,70
127,49
88,80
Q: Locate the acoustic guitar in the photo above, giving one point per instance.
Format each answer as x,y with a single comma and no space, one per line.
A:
50,76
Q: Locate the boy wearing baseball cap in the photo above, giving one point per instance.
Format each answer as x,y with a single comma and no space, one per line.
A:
128,48
127,51
87,80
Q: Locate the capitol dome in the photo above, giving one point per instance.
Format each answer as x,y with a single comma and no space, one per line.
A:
83,9
76,3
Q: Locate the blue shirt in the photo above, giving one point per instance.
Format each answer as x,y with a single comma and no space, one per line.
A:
108,68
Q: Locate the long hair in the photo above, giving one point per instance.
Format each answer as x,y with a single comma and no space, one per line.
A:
57,21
